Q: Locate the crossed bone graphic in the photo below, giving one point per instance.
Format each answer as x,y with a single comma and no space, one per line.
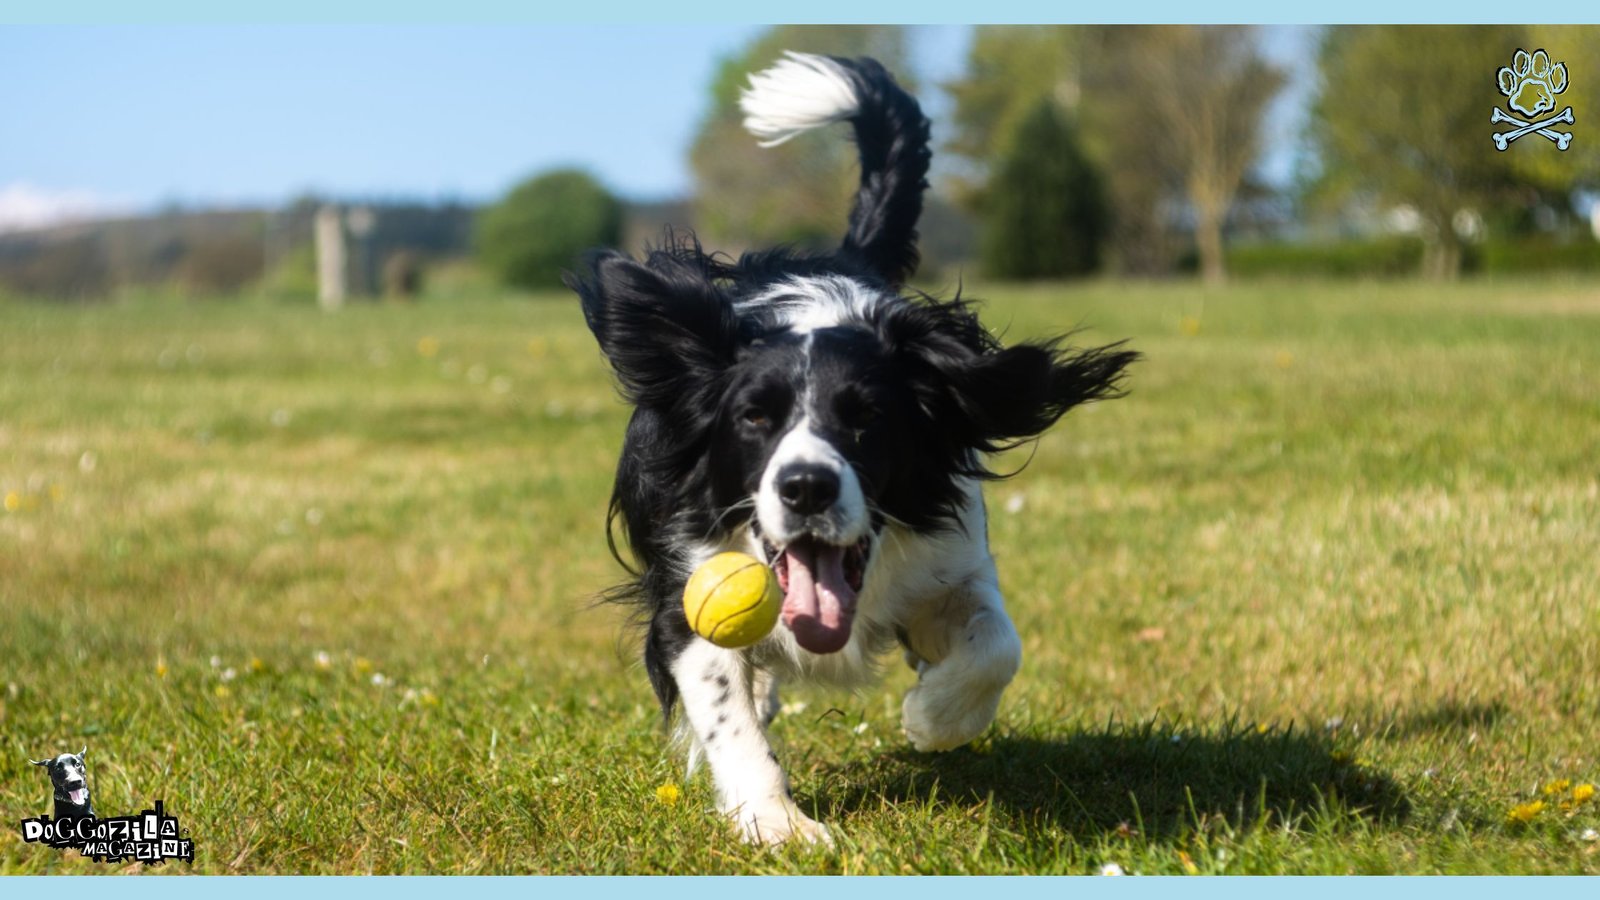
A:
1503,139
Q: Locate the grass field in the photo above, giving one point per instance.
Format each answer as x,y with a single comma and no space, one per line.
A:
1321,595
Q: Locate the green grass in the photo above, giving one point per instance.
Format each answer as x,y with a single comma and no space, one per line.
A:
1319,595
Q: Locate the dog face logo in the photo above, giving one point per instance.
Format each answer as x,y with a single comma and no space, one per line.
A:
151,837
1531,84
70,779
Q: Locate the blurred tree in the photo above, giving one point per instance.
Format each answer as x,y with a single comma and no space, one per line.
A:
1403,117
1167,113
798,192
544,225
1009,71
1578,48
1198,95
1144,173
1044,210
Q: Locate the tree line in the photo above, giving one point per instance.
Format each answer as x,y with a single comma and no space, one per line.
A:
1134,149
1064,151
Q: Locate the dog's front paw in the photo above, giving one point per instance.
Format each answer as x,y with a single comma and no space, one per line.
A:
935,721
779,823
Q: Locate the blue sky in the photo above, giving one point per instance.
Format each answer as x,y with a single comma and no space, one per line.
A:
138,116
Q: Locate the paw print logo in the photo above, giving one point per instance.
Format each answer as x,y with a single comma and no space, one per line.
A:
1531,84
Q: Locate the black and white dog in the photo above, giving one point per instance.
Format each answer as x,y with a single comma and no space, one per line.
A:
810,410
69,779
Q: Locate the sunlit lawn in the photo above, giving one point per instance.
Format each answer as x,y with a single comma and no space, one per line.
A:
1322,594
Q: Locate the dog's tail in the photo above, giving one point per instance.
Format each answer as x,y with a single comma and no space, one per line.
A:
804,91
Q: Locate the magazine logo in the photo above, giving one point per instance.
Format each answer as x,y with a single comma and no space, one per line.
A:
151,837
1530,85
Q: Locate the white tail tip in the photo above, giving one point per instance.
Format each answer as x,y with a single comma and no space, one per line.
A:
801,92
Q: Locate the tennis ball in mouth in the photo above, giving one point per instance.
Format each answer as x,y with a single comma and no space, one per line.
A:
732,600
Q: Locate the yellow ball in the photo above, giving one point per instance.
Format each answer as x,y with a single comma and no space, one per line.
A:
732,600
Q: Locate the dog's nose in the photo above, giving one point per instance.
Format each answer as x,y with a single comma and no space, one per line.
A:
808,489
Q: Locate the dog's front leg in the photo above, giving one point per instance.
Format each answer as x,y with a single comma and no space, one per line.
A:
725,728
965,651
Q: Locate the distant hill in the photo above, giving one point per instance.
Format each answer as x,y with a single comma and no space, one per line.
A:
224,251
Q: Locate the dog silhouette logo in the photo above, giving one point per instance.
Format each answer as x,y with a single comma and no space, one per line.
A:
152,836
1530,85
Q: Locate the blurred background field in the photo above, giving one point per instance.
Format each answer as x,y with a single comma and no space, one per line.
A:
304,456
1318,595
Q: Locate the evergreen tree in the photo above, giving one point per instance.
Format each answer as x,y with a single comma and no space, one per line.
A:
1045,214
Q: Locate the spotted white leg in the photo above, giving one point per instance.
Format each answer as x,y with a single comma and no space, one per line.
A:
966,652
766,694
717,689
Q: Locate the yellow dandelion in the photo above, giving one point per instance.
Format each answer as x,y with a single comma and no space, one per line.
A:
161,667
1262,728
1583,793
428,698
428,347
668,794
1284,359
1559,786
1189,868
363,665
1189,325
256,665
222,691
1523,813
13,501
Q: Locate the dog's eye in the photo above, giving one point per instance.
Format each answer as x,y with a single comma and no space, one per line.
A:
755,417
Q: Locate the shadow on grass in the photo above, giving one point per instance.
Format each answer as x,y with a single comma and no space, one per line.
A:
1119,777
1448,716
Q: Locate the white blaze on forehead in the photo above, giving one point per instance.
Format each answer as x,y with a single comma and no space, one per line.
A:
805,305
846,521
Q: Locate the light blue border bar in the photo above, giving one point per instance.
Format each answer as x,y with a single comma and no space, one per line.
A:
931,12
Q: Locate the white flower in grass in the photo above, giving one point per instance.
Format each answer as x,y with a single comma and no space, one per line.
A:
1111,868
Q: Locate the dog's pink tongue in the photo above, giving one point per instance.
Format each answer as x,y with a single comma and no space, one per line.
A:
77,796
819,604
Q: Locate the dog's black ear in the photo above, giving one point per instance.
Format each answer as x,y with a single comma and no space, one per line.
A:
664,324
987,397
1016,393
